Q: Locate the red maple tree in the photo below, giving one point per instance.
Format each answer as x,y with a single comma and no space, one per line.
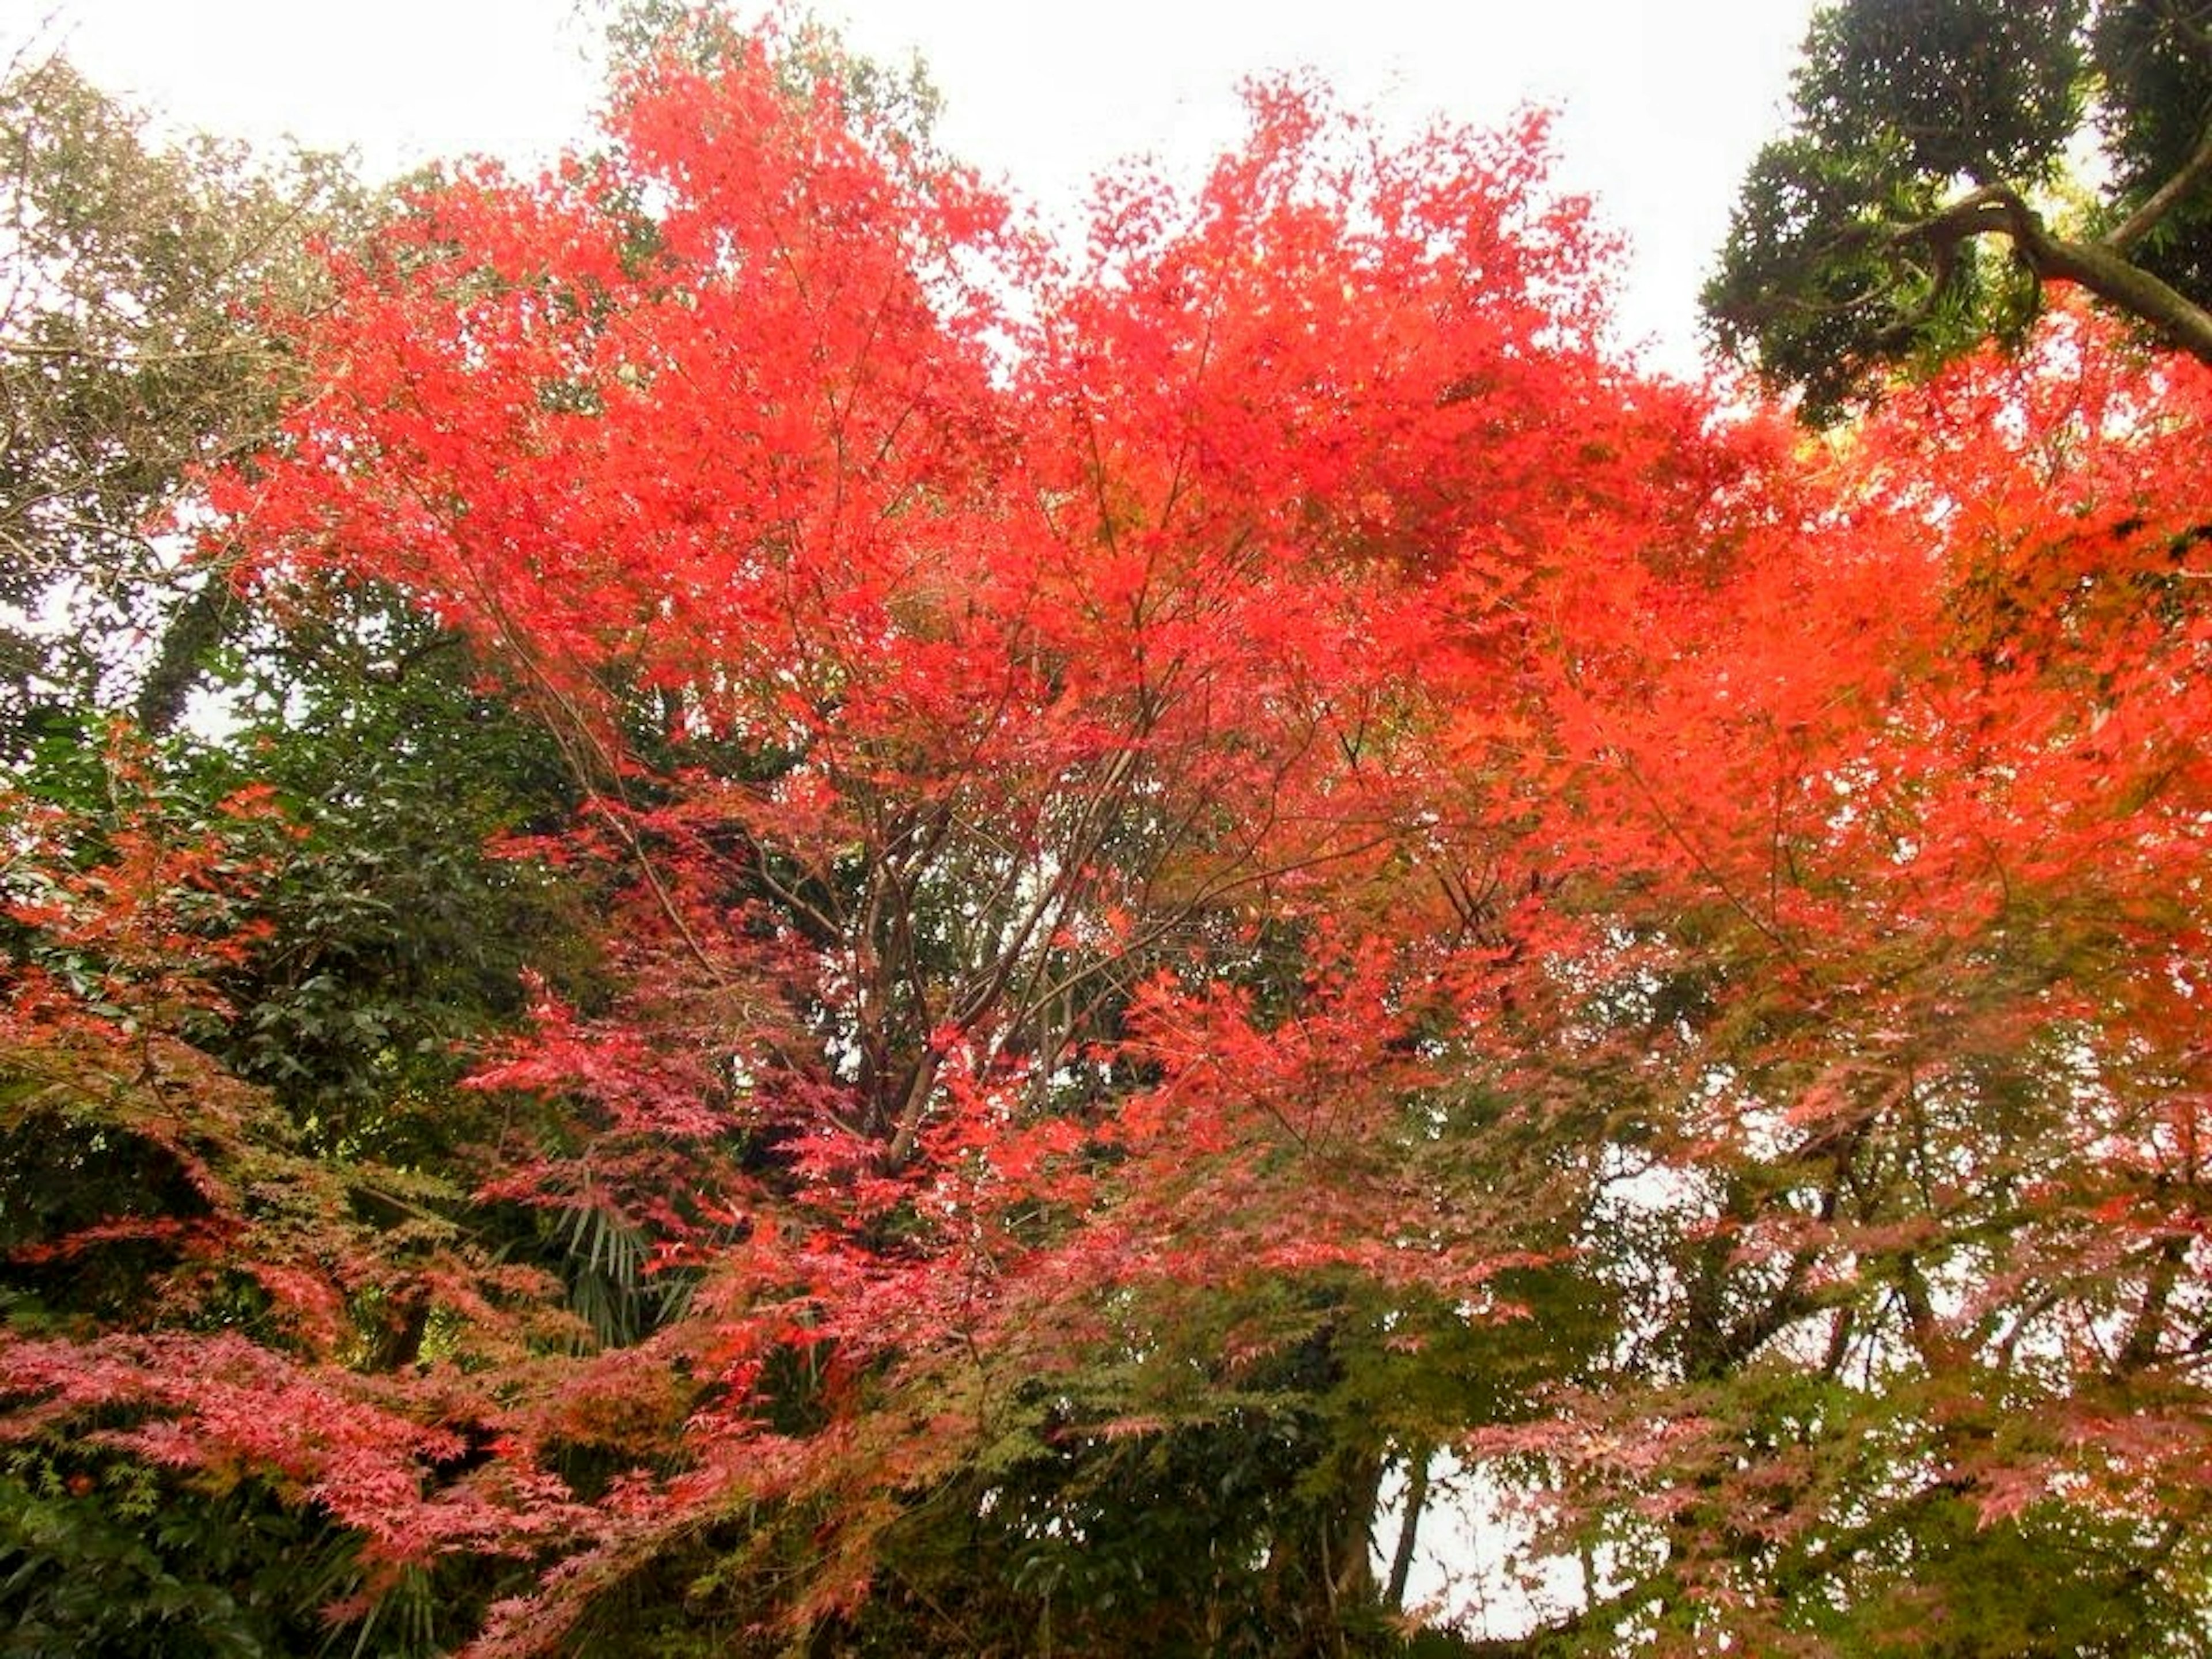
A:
1250,795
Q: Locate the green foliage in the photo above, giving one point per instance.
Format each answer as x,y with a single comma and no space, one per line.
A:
399,934
896,104
1907,213
102,1556
1945,90
2154,63
131,357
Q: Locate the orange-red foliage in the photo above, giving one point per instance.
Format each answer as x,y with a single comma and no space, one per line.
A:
1106,758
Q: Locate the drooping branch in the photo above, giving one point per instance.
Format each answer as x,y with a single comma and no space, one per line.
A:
2101,267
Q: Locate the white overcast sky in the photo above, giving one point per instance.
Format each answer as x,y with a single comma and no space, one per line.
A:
1662,104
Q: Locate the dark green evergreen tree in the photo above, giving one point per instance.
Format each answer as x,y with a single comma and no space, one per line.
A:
1926,195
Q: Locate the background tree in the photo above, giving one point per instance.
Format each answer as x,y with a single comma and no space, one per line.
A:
131,358
243,966
1926,194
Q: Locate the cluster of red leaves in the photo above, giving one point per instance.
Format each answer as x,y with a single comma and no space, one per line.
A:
226,1267
1895,845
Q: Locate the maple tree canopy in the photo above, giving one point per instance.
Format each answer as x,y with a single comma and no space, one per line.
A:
1171,897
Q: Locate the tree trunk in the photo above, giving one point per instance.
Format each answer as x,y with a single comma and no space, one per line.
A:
194,630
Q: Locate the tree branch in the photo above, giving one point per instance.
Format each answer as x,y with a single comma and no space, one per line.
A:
1417,1499
2095,266
2145,219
